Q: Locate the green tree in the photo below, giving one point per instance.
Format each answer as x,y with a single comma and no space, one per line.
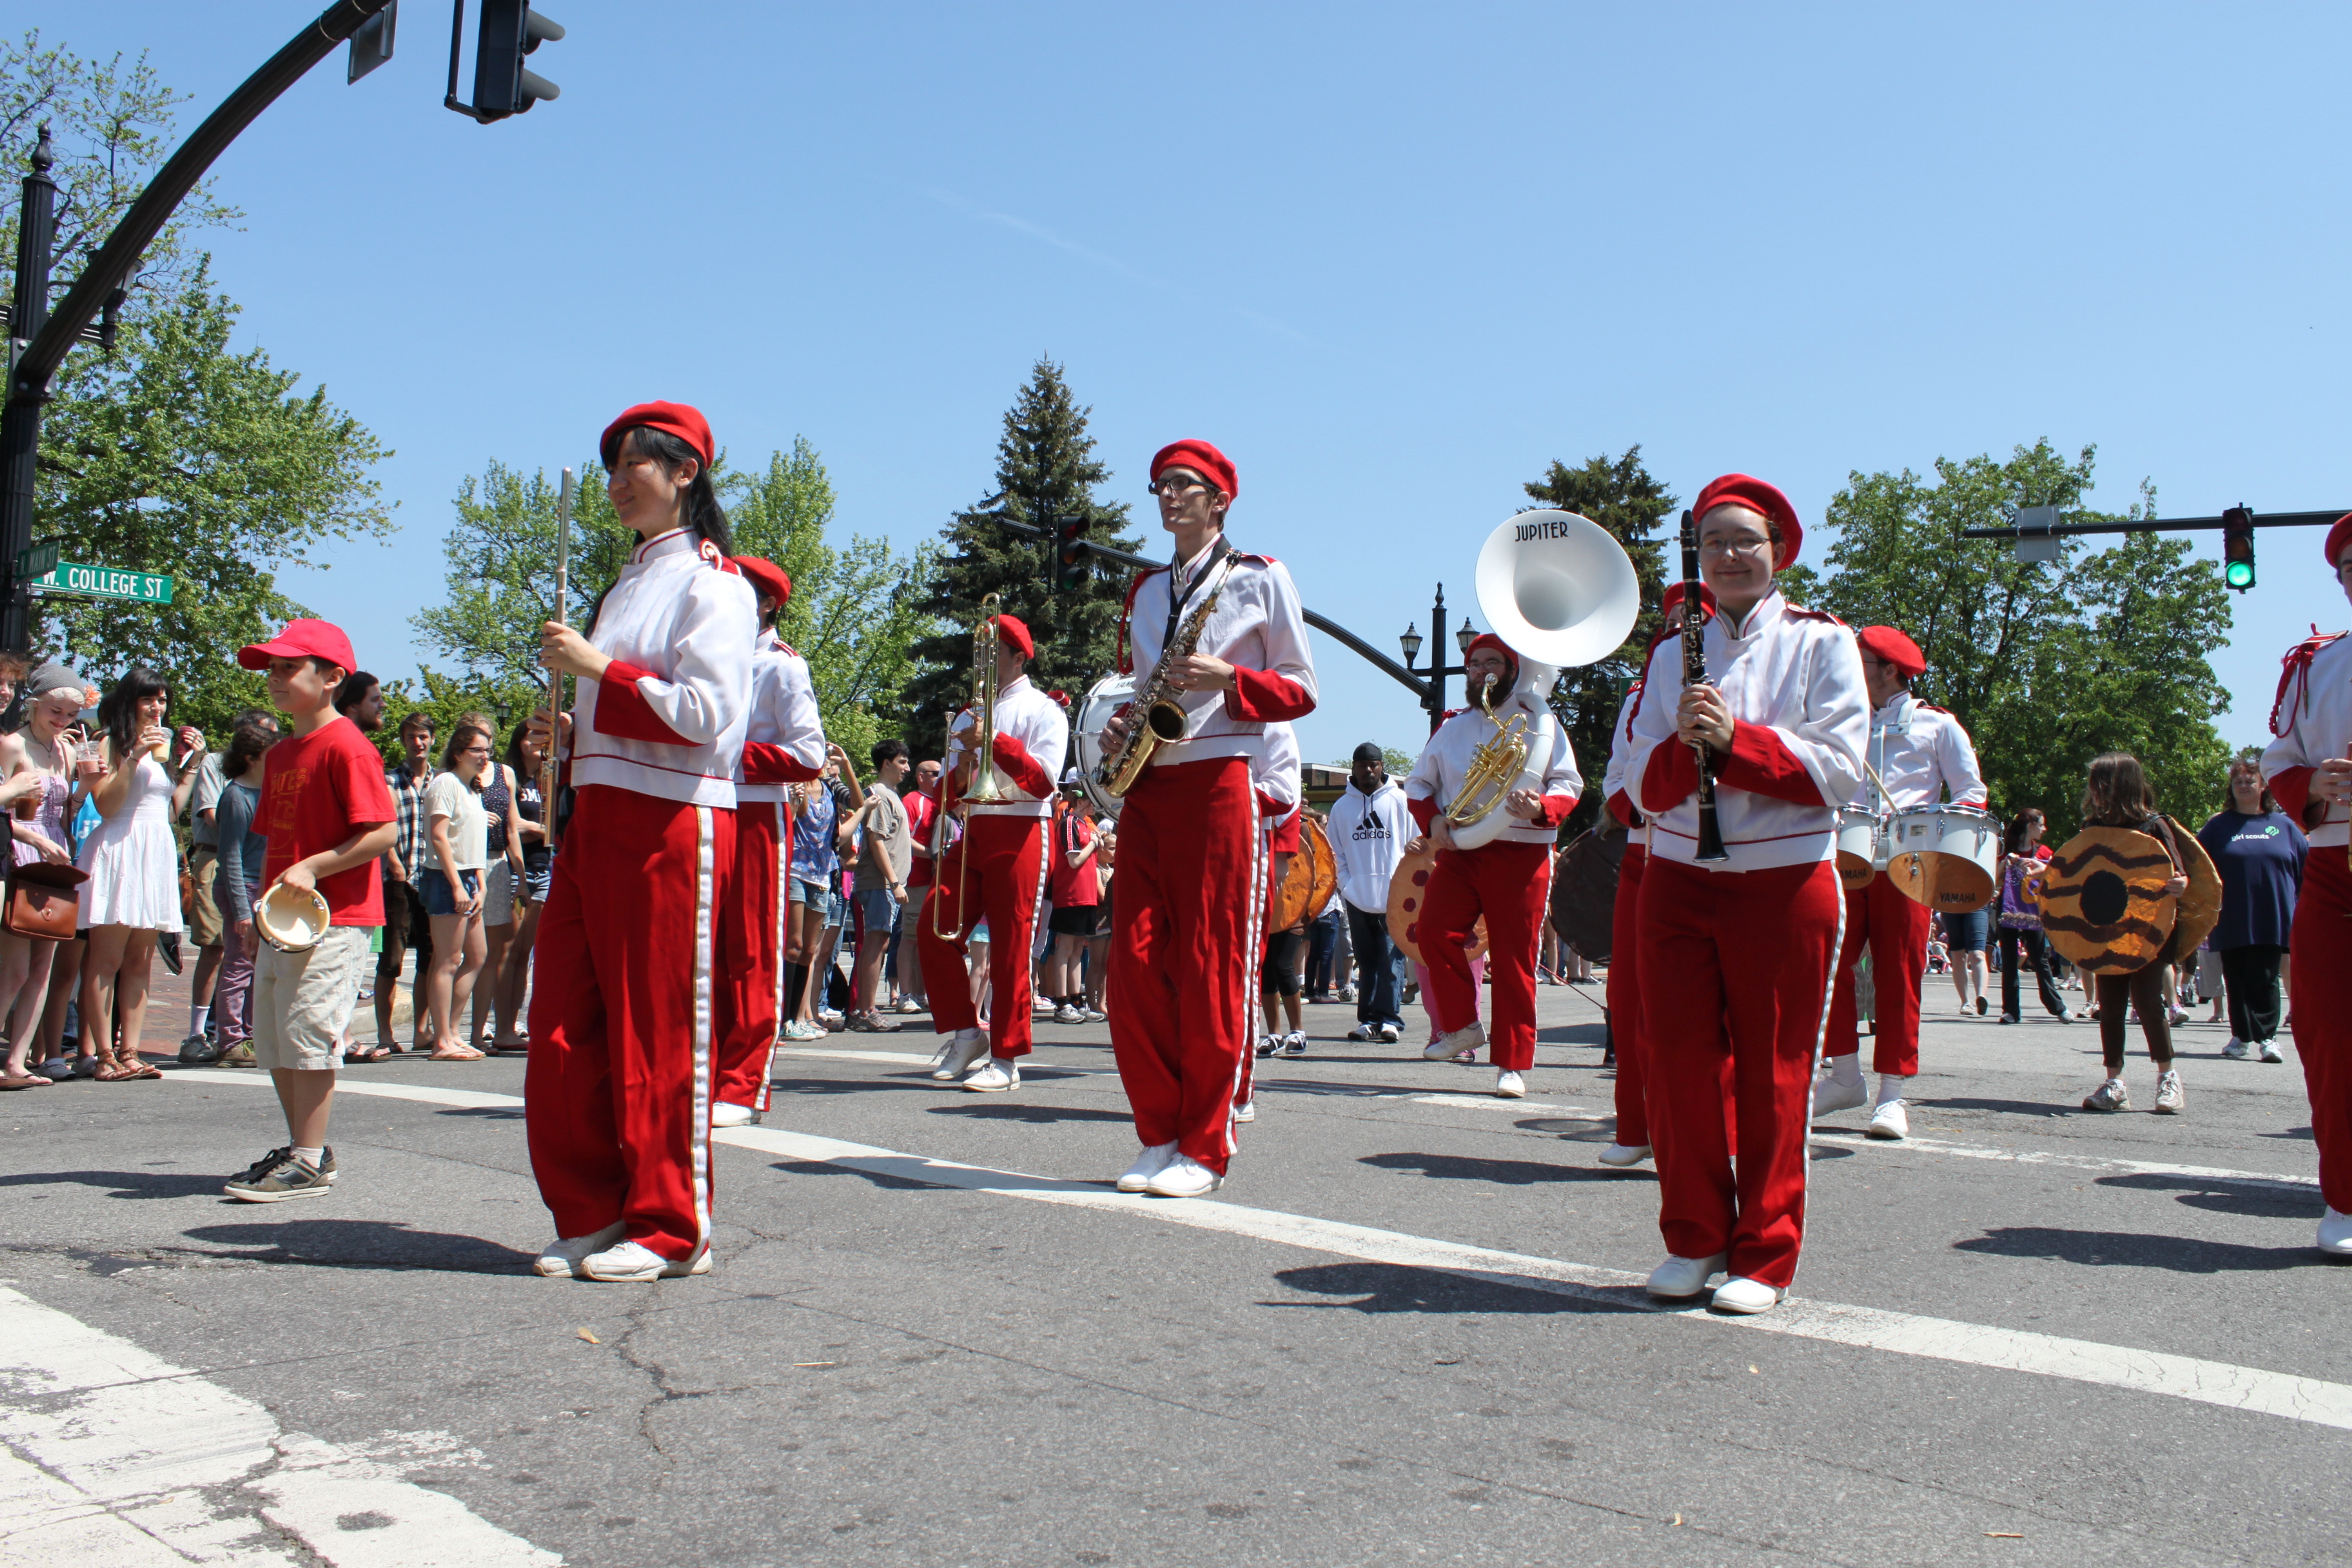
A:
2047,664
1623,496
1047,473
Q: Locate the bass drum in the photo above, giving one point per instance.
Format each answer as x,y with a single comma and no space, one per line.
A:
1308,886
1407,886
1110,694
1584,889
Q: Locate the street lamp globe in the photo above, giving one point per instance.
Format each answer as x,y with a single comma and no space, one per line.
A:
1466,636
1411,641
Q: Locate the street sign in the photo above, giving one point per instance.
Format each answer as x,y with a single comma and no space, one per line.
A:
104,582
34,559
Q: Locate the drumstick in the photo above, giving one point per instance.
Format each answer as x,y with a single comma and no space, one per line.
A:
1879,781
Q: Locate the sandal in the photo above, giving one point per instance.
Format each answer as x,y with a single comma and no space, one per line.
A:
369,1054
25,1081
131,1065
457,1054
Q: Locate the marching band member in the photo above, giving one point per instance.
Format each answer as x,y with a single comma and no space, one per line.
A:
1509,878
616,1098
1186,917
783,743
2309,769
1745,949
1919,752
1623,995
993,873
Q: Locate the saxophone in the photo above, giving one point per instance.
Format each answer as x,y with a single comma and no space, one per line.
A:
1155,716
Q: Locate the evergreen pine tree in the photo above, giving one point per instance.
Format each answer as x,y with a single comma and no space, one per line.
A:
1623,497
1047,471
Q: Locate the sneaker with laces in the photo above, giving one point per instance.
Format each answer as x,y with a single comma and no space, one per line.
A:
1184,1177
633,1263
1454,1047
1267,1044
564,1257
1001,1075
964,1049
1245,1111
2270,1053
1294,1043
1831,1094
1889,1122
1391,1033
1623,1156
1096,1015
2237,1051
1363,1032
1509,1085
799,1030
2109,1096
198,1050
2172,1099
1066,1013
1347,993
279,1176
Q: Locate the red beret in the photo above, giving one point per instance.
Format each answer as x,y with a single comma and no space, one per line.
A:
768,580
1672,603
1739,490
1212,465
685,422
1891,647
1010,629
1488,640
2337,538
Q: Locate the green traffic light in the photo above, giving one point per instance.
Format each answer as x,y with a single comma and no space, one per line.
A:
2239,574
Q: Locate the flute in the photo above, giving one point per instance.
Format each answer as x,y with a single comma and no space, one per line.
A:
1710,835
555,677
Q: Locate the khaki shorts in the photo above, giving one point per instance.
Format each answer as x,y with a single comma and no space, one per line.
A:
204,922
302,1000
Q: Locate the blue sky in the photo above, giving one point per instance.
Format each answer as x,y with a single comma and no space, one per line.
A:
1393,259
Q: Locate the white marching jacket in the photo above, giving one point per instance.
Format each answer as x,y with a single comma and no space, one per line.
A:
1257,627
1274,773
2312,722
668,719
1367,833
1792,679
783,739
1032,735
1613,790
1444,762
1920,751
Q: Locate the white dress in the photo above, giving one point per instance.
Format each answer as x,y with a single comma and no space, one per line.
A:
132,860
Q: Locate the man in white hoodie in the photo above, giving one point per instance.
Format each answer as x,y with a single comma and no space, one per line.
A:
1369,826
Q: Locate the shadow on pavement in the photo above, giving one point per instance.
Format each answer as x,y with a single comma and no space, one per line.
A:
1502,1172
2006,1107
1031,1112
2121,1249
126,1184
364,1244
2222,1197
1394,1287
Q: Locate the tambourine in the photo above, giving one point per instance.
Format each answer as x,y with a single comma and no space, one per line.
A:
291,919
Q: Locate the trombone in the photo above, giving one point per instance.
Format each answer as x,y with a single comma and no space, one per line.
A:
987,786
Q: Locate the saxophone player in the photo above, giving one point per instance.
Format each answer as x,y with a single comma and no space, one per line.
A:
1186,924
1509,878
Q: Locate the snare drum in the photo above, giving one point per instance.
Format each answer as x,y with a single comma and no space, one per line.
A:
1860,847
292,919
1947,856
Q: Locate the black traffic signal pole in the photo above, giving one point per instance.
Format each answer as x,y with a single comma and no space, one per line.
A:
28,386
2153,525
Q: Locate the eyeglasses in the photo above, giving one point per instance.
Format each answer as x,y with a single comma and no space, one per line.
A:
1177,484
474,752
1751,546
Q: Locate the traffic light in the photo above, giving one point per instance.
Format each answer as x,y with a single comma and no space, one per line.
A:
2238,548
1071,569
510,29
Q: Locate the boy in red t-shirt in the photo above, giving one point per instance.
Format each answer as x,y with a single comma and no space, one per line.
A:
328,815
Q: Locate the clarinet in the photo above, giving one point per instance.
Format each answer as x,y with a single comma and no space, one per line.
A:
1710,835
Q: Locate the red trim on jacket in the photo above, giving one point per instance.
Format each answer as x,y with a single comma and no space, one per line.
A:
1012,758
766,762
1671,778
1424,812
2292,790
1761,763
1262,697
1621,807
622,712
1556,808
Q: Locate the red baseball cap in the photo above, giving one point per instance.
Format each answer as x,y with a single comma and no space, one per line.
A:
1739,490
302,639
1893,647
1202,459
769,580
677,419
1010,628
2337,538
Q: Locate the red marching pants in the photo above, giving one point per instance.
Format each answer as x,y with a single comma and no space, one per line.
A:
2320,989
1510,883
1897,930
1624,1000
751,946
616,1094
1742,963
994,866
1187,920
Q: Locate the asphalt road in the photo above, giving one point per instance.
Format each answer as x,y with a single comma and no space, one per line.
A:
1405,1331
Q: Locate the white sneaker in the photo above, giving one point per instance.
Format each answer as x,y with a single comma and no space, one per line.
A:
1454,1047
2270,1053
728,1114
1040,1008
1745,1295
1391,1033
1245,1111
1509,1085
828,1018
1364,1032
2335,1233
1830,1095
1267,1044
796,1030
631,1263
1889,1122
562,1259
1096,1015
1184,1177
1682,1279
1347,993
1622,1156
2172,1099
1147,1165
2179,1016
964,1047
1294,1043
997,1077
2111,1095
1066,1013
2237,1051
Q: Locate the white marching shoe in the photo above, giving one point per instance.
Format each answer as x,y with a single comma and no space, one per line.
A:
964,1049
562,1259
2335,1233
1247,1110
1889,1122
1147,1165
1460,1044
1745,1295
1683,1278
727,1113
996,1078
631,1263
1509,1085
1622,1156
1830,1095
1184,1177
